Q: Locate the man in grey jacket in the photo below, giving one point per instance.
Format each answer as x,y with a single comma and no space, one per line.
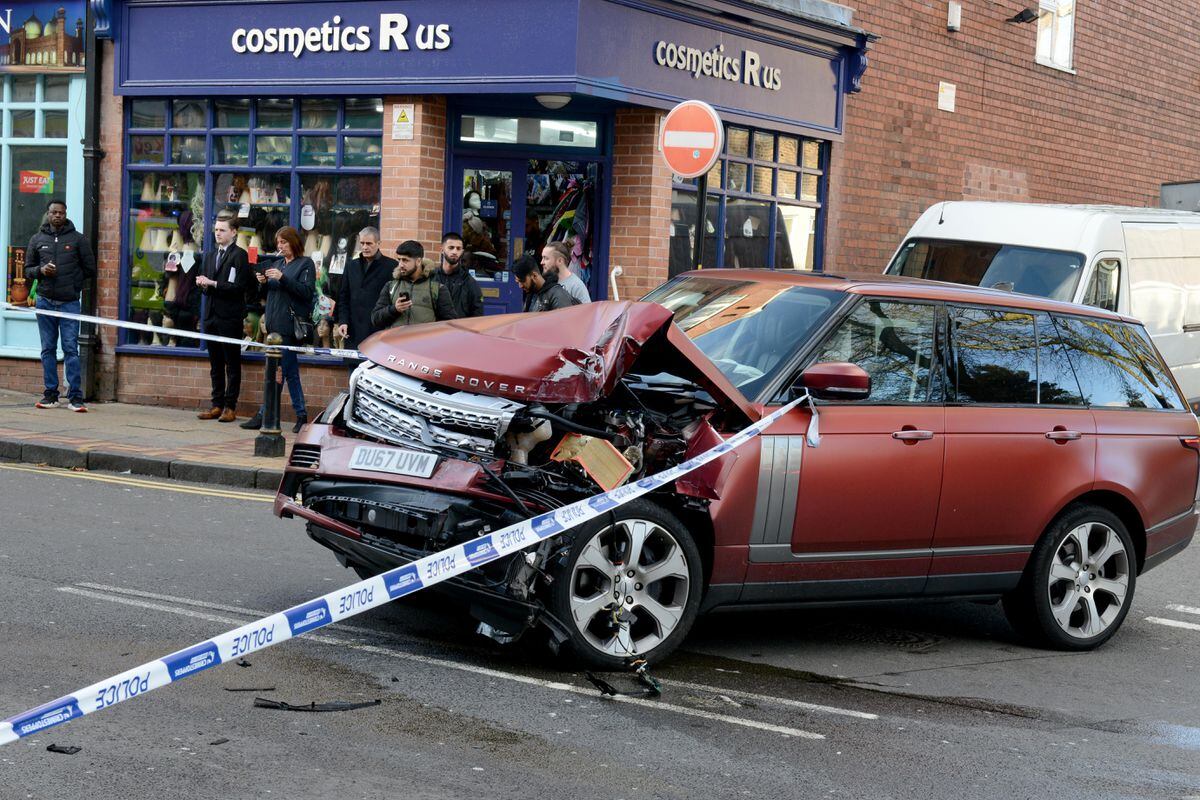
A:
60,259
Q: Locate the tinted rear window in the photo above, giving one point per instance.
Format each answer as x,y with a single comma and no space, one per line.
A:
1117,365
1027,270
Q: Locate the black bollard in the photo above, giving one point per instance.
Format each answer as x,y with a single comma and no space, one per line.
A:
270,442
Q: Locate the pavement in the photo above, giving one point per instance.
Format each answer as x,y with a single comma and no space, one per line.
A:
142,440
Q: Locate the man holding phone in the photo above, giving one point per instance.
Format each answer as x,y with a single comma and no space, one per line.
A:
60,259
411,297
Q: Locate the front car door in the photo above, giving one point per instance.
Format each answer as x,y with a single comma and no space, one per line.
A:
854,517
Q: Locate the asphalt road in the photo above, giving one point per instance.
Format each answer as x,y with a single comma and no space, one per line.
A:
99,573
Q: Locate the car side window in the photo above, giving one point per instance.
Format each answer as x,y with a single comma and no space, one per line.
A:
994,356
1057,385
894,343
1117,364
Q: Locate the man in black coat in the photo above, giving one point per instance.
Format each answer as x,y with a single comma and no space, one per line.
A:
542,292
466,298
60,259
362,282
225,280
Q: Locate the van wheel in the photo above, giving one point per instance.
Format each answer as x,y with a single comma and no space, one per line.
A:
1079,582
628,588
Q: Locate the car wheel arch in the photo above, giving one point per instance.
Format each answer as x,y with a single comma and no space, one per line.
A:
1118,504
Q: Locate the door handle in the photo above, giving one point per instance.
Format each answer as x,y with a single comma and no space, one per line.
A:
911,435
1062,435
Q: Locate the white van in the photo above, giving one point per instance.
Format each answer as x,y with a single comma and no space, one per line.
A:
1143,262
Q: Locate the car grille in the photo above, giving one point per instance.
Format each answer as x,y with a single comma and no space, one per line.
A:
306,456
399,409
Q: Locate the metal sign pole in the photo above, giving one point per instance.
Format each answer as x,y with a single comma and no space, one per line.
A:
701,221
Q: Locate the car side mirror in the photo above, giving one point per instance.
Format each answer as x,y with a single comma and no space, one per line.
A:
835,381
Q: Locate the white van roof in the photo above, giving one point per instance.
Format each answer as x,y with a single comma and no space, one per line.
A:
1071,228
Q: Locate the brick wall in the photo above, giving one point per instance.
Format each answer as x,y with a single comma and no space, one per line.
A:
108,250
414,176
1112,133
641,204
184,383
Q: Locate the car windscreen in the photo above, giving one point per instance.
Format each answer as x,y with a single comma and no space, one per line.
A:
1027,270
747,328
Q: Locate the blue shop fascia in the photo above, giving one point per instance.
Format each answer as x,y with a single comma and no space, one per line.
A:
286,113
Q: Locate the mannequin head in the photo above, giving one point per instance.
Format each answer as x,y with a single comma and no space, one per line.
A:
472,201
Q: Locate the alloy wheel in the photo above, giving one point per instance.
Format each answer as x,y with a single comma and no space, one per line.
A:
1088,580
629,588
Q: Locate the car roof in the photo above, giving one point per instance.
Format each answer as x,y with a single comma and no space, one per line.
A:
909,289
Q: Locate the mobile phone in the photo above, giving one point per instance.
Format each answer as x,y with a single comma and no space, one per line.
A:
402,296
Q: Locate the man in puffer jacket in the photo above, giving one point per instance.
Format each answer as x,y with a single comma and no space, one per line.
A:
411,297
60,259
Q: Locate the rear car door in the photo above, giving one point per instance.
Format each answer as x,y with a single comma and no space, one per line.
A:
854,516
1020,443
1145,432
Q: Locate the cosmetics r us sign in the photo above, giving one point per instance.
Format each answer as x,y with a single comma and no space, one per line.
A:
333,37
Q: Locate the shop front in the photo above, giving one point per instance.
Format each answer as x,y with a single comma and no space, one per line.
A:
516,123
41,132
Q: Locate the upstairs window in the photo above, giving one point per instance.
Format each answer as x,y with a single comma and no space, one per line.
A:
1056,33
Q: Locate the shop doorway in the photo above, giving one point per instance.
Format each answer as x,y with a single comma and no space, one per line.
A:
509,207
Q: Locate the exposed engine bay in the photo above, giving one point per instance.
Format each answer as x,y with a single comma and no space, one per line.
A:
531,457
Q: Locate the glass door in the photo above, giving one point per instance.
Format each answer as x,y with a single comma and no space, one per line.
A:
511,207
488,205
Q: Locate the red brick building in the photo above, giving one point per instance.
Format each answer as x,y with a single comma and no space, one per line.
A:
819,173
1110,125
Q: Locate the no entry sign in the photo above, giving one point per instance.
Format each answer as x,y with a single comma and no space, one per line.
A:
691,138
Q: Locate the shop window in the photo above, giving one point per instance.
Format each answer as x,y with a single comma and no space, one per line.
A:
533,131
764,205
165,228
1056,33
191,160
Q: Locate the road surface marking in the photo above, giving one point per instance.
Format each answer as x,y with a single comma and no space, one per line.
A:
1174,623
469,668
1183,609
257,613
226,494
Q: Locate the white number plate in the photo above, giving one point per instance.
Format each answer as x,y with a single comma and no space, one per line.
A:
398,462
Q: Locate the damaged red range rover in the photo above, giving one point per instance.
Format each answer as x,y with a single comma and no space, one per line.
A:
973,444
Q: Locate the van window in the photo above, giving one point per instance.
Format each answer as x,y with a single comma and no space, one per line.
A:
1102,288
1117,365
1028,270
893,342
995,356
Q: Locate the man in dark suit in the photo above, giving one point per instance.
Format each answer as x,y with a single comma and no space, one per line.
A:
362,282
225,279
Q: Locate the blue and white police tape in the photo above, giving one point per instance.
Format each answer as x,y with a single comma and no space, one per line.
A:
182,334
359,597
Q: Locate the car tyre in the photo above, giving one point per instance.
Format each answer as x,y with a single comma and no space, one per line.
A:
1079,583
639,552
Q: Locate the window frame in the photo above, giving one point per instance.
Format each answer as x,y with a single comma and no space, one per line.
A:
1056,316
1050,9
719,193
808,355
210,168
